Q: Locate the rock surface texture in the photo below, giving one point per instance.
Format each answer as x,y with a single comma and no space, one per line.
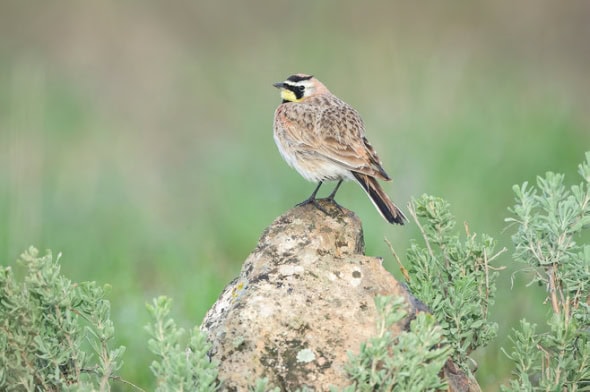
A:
303,300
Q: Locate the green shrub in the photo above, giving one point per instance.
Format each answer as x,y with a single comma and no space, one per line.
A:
410,361
552,222
181,365
453,277
46,320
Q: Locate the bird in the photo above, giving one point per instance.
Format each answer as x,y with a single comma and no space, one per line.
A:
323,138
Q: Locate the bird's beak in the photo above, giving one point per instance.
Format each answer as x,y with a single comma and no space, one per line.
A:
279,85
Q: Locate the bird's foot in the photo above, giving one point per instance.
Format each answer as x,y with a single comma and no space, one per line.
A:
333,201
314,201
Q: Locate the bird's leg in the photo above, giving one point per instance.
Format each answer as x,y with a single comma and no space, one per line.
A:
333,194
311,199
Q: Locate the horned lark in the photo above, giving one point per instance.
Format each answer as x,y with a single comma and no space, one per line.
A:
323,138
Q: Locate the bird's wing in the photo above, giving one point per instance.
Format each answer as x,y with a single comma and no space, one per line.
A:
341,138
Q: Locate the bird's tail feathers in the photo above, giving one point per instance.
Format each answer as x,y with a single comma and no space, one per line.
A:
382,202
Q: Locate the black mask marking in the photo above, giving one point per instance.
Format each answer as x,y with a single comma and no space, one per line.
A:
297,90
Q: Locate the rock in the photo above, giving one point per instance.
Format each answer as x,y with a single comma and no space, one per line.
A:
303,300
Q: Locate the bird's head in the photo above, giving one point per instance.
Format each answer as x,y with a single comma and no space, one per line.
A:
298,87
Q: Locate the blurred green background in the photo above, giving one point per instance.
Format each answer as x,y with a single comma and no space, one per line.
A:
136,136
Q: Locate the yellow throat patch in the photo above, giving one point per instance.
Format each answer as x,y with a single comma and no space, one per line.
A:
289,95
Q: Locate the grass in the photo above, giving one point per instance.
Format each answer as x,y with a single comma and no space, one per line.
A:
154,169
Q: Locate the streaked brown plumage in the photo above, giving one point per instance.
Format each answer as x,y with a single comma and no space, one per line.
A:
323,138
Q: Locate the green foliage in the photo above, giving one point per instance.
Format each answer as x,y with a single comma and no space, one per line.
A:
410,361
263,385
550,217
180,367
550,220
45,321
453,277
